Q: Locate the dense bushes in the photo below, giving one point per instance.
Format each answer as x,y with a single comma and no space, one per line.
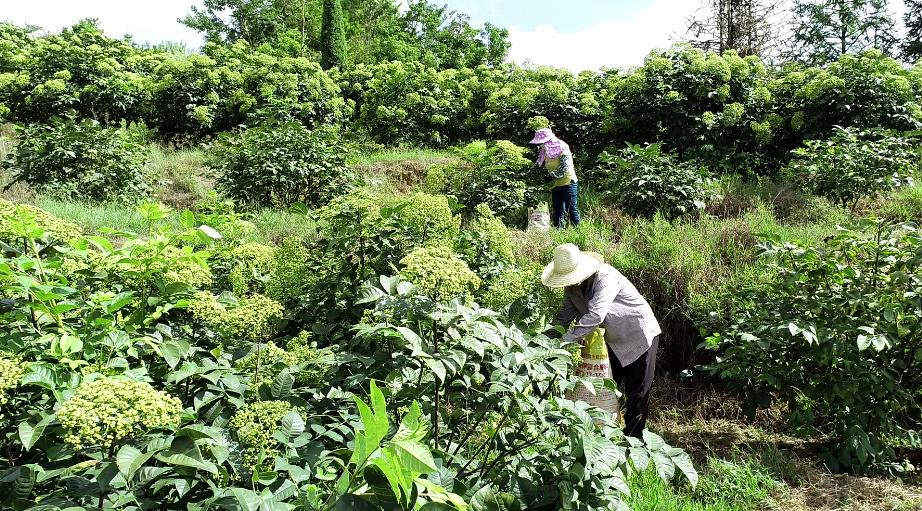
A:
853,164
81,160
496,174
281,164
731,112
836,335
644,181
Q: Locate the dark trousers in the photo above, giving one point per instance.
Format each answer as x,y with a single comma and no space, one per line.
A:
635,381
563,202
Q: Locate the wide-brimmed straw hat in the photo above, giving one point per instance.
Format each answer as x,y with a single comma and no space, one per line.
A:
570,266
542,136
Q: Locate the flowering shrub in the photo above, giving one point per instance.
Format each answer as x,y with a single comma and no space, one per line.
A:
54,227
494,232
510,286
254,426
107,411
10,376
439,273
251,266
252,318
291,275
428,219
496,174
313,364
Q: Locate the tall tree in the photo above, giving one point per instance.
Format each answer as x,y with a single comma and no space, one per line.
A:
911,49
333,49
751,27
824,30
254,21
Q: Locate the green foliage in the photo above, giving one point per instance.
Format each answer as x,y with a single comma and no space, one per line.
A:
427,219
494,232
108,411
12,217
279,165
853,164
81,160
78,70
424,355
835,334
911,46
334,52
439,273
645,181
496,174
828,29
251,266
538,122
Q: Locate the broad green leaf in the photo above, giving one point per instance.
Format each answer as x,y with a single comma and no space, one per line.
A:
415,456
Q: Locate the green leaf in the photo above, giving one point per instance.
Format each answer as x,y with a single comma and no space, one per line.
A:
188,461
248,499
29,434
415,456
282,385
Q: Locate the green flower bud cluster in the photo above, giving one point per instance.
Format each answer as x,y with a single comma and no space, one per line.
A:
109,410
53,226
175,267
254,425
439,273
10,375
250,260
291,273
314,364
509,286
494,231
429,219
252,319
360,203
732,114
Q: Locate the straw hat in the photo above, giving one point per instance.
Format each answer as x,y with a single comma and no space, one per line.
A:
570,266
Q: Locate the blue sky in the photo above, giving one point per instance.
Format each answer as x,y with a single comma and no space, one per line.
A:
570,16
576,34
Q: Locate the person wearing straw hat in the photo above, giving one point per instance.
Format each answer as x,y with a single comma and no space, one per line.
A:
597,295
555,156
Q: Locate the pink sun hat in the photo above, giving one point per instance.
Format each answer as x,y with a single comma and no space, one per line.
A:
542,136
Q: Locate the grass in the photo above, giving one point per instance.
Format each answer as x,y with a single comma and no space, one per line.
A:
181,177
367,158
723,486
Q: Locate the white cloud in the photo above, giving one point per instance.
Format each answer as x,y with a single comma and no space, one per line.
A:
147,21
621,43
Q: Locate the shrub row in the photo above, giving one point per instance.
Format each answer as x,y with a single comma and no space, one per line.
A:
721,108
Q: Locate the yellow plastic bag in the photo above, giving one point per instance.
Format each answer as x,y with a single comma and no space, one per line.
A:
595,364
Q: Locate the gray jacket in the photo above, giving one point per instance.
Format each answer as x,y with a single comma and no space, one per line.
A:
608,299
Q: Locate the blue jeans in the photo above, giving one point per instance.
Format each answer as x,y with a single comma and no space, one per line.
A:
563,202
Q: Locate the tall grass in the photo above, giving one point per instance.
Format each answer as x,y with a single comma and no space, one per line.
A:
180,176
371,157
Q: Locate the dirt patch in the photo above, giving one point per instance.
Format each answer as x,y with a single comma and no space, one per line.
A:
707,422
405,176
